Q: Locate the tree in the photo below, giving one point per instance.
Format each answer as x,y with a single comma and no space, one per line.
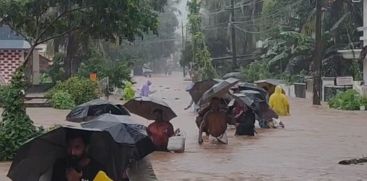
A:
39,21
201,55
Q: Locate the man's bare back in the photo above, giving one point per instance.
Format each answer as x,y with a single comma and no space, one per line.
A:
216,123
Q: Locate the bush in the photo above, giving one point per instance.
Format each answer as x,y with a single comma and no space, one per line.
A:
348,100
62,100
16,127
81,89
257,70
117,71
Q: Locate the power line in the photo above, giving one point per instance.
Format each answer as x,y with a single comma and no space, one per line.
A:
226,8
255,32
278,12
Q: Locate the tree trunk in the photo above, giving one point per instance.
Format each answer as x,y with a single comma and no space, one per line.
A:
71,62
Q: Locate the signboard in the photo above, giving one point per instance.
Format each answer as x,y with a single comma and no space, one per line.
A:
93,76
344,81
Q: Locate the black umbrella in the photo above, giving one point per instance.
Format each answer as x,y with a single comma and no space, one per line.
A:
124,131
255,95
245,99
36,158
145,107
251,87
94,108
199,88
220,89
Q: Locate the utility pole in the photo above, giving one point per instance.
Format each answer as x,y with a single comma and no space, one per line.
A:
183,48
233,37
317,56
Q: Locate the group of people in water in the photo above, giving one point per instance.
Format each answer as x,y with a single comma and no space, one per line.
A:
221,112
212,119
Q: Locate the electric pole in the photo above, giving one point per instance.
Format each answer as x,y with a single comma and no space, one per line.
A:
233,37
183,47
318,57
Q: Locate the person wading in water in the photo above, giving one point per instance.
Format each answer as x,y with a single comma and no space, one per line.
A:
214,122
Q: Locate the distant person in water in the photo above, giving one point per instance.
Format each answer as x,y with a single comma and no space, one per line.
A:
145,90
160,131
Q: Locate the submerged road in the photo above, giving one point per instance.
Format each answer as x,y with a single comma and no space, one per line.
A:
314,141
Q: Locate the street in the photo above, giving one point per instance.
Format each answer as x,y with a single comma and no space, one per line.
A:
314,140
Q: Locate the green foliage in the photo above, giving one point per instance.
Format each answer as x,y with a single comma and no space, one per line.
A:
45,79
256,71
16,127
356,70
56,71
62,100
278,51
286,45
201,55
348,100
110,20
117,71
81,89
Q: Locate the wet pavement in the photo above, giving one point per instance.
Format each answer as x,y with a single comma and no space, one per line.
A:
314,141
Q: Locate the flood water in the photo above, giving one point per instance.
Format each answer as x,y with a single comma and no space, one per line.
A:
314,141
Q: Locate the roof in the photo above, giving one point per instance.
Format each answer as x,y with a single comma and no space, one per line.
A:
6,33
14,44
11,40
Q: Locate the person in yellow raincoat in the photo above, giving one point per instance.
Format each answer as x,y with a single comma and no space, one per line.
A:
102,176
279,102
129,92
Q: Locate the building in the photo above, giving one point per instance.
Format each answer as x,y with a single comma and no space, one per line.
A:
13,49
355,54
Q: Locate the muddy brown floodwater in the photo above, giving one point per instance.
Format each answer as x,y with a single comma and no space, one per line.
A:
314,141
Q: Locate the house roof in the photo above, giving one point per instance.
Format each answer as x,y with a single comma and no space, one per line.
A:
14,44
6,33
11,40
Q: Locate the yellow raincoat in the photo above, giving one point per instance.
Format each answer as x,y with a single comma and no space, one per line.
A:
102,176
129,92
279,102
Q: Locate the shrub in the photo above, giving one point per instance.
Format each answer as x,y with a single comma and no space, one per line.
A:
116,71
348,100
257,70
16,127
62,100
81,89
